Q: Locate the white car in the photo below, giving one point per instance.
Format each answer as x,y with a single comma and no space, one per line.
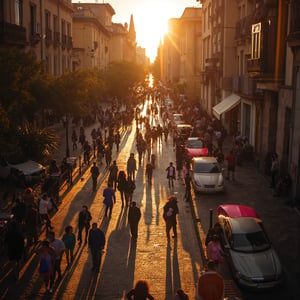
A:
207,175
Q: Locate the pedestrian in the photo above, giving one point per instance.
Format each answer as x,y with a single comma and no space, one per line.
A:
134,216
108,154
95,173
149,171
28,197
113,175
122,186
274,170
131,166
84,220
59,248
14,241
210,284
181,295
47,257
43,211
230,157
86,152
141,291
188,187
171,174
74,139
130,189
169,215
19,211
96,245
69,240
117,140
31,222
109,199
214,250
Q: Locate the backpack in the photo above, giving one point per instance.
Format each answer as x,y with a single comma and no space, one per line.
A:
44,268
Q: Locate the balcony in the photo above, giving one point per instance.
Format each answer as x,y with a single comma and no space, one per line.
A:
64,41
13,35
244,85
56,40
69,43
35,38
48,38
211,64
256,66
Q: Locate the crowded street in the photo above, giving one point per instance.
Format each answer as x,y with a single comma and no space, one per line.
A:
166,264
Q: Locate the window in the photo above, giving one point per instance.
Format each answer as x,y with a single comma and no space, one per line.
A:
33,27
18,12
55,65
256,36
48,63
47,20
68,29
63,27
55,24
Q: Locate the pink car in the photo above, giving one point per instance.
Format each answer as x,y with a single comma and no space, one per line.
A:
195,148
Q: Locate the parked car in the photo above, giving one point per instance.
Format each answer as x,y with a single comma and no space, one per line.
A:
206,174
177,119
251,256
195,147
25,174
184,130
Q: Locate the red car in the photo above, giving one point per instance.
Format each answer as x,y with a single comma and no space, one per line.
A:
195,147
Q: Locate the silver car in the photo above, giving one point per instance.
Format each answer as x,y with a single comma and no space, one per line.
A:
207,175
252,259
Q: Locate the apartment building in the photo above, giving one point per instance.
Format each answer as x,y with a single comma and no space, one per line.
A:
44,27
182,52
92,30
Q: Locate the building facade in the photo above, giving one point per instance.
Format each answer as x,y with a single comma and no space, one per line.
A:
44,27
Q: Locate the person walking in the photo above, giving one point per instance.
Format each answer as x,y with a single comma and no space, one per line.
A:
131,166
274,170
141,291
149,171
122,186
84,220
188,187
96,244
95,173
181,295
69,240
31,222
130,189
117,140
47,257
74,139
210,284
113,175
109,199
230,157
214,250
171,174
108,155
134,216
59,247
169,215
43,211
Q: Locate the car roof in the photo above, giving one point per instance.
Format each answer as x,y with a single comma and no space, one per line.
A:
236,211
244,225
204,159
194,138
184,125
176,114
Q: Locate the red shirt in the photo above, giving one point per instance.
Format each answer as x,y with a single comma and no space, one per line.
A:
231,159
211,286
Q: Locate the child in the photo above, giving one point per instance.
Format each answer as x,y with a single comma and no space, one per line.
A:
69,240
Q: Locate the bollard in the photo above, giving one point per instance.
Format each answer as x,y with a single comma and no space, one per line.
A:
79,162
71,174
210,218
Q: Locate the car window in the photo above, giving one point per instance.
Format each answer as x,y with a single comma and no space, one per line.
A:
250,242
177,118
207,168
195,144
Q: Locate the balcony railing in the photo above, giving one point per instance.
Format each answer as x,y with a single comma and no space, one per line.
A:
256,65
12,34
48,39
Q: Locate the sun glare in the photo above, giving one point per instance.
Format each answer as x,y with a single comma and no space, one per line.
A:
151,23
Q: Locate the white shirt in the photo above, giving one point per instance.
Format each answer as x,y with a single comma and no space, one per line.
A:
59,247
43,207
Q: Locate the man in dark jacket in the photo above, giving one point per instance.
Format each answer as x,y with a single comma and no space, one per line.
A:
84,220
134,216
95,173
96,244
170,212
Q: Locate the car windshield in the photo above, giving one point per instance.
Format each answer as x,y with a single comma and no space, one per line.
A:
250,242
195,144
207,168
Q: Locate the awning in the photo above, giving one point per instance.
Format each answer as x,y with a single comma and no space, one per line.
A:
225,105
